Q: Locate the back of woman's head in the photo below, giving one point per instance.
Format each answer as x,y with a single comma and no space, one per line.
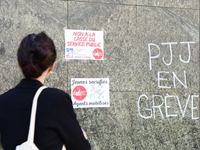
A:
35,54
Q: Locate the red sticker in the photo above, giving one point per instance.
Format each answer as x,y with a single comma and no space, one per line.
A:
79,93
97,53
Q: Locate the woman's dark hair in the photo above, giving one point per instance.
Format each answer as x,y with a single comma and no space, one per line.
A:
35,54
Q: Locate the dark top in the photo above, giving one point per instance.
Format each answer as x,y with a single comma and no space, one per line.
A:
56,122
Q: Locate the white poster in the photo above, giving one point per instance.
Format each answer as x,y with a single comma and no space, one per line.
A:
84,44
90,92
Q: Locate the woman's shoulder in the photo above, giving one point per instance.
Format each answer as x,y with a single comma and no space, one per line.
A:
54,92
57,97
8,93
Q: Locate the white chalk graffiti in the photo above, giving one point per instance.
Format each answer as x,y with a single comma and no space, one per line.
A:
175,78
164,104
171,53
162,78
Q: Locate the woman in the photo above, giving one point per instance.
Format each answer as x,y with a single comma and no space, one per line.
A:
56,124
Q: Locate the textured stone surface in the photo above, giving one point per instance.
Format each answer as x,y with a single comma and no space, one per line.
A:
162,25
19,18
119,26
132,2
129,26
192,4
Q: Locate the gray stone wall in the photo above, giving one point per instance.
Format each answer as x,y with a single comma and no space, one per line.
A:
154,96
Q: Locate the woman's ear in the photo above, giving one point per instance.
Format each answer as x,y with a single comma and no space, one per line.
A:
51,68
19,65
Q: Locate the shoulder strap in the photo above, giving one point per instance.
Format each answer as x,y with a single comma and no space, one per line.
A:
33,115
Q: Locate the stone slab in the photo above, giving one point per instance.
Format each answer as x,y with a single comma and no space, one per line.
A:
131,2
19,18
165,25
119,26
124,128
192,4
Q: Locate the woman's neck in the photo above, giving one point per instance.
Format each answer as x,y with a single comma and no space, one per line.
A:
43,77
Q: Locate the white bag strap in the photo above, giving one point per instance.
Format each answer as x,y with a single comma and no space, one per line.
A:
33,114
